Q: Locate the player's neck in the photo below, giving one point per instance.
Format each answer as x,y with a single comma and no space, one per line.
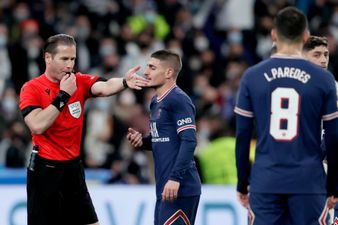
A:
290,49
164,88
49,77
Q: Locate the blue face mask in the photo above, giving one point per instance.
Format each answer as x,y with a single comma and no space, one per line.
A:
107,50
235,37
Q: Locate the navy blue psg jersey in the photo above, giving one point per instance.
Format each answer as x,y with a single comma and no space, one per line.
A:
287,98
172,114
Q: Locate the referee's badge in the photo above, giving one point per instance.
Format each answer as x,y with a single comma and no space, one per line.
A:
75,109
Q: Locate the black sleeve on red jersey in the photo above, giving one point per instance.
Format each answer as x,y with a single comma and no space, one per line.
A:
90,89
28,109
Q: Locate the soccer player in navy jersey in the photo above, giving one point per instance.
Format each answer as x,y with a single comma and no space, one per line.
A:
316,50
52,106
172,141
287,97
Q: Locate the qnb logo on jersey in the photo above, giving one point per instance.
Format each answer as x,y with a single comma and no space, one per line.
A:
182,122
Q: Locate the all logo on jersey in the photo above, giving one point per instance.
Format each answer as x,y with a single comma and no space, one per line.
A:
75,109
155,135
47,91
153,129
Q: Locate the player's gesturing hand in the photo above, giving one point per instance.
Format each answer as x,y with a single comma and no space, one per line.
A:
134,137
243,199
170,190
135,81
331,202
68,83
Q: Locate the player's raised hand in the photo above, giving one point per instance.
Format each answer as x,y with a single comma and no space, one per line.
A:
135,81
170,190
68,83
134,137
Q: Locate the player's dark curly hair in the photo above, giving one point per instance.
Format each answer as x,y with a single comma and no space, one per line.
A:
314,41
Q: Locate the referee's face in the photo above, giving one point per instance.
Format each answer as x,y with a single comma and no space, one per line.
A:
61,63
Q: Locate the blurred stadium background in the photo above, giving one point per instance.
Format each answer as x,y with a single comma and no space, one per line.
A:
217,39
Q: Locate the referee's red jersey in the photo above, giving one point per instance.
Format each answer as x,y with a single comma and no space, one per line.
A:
62,140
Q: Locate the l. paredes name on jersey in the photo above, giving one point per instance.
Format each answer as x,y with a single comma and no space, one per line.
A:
287,72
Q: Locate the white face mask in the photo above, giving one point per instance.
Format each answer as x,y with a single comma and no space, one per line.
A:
334,31
150,16
107,50
335,19
102,104
3,40
235,37
21,14
9,105
83,32
33,52
178,51
201,43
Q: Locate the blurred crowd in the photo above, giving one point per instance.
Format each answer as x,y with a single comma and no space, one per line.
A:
217,40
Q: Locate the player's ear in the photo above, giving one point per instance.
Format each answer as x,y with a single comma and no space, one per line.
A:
47,57
306,36
274,35
169,73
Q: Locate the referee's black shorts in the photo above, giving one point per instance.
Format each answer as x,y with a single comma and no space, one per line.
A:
57,194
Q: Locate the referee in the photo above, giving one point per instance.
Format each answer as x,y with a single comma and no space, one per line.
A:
52,105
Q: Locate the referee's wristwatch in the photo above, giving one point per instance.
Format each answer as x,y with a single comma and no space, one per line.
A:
61,100
124,82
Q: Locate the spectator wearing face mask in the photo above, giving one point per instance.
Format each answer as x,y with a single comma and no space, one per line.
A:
85,44
9,105
27,51
5,62
18,139
19,13
108,58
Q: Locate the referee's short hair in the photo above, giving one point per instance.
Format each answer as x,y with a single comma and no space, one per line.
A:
54,41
